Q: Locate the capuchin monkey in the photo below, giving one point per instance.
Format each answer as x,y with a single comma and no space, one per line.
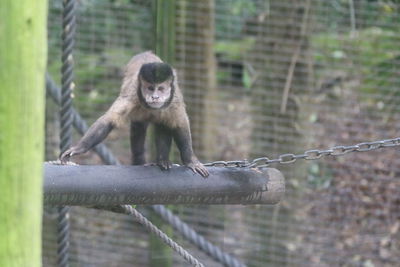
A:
149,94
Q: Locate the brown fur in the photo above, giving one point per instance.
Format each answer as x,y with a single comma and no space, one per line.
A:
129,107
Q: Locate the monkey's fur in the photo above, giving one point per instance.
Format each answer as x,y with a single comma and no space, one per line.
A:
149,94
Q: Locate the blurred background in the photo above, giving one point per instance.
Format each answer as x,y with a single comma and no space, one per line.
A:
260,78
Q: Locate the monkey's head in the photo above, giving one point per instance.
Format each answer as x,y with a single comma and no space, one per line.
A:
156,85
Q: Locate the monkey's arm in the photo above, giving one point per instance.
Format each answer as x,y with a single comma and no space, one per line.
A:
99,130
183,140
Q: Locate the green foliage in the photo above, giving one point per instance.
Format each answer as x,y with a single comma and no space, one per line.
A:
364,50
319,176
334,14
375,59
247,79
234,50
384,80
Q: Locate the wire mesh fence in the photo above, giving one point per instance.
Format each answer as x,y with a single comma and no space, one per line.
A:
260,78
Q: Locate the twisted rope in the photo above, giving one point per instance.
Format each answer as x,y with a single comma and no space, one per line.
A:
66,118
127,209
191,235
67,84
63,236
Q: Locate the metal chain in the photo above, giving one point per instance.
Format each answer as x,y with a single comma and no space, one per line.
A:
308,155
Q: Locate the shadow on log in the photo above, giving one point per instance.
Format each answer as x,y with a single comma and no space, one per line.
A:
114,185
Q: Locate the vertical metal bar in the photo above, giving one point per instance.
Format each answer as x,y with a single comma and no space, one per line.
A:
66,118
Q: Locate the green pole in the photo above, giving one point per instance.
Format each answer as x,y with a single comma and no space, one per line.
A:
164,47
23,52
164,29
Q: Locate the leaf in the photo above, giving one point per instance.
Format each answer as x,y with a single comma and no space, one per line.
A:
247,81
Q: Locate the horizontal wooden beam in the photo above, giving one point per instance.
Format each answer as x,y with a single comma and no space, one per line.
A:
86,185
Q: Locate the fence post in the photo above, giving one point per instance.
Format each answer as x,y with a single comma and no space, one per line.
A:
23,53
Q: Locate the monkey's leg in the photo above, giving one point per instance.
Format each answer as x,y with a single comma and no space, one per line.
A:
183,140
163,137
138,136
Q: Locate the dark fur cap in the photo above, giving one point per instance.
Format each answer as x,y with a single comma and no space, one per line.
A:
156,72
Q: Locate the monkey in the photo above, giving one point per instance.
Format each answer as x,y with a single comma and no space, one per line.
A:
149,94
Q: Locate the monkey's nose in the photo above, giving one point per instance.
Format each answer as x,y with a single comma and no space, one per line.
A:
155,97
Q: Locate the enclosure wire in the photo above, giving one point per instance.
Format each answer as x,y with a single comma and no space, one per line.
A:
106,155
182,227
66,118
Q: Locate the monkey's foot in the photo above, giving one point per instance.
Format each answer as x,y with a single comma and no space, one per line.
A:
164,164
199,168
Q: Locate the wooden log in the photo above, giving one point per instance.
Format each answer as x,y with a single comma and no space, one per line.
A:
114,185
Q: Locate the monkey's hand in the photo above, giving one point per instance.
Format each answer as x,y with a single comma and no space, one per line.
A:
198,167
75,150
164,164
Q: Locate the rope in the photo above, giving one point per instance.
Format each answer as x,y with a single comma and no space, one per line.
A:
67,74
66,119
167,240
210,249
63,236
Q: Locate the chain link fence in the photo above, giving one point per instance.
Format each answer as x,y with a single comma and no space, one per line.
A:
261,78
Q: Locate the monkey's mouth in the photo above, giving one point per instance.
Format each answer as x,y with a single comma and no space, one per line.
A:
155,104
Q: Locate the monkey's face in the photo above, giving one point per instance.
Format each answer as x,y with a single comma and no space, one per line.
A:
156,95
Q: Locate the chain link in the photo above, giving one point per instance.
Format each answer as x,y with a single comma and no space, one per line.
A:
308,155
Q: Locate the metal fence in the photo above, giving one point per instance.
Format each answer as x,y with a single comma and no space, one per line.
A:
260,78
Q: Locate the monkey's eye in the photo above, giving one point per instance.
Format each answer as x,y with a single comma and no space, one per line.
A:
151,88
161,88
